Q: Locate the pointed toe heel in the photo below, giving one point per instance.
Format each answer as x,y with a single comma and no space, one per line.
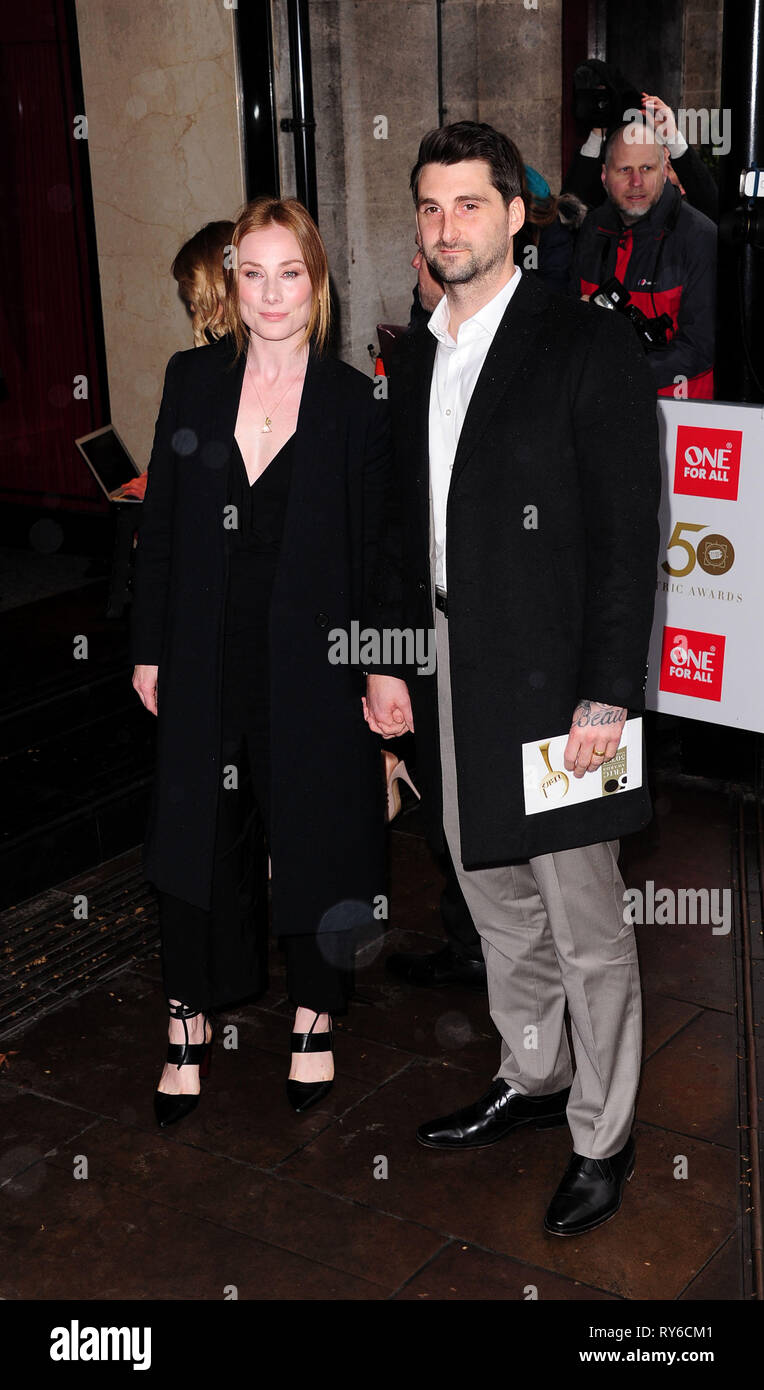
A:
303,1094
395,772
168,1109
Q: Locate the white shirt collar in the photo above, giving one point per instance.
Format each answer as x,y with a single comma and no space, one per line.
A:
486,320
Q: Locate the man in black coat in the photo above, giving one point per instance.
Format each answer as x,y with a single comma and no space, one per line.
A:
525,430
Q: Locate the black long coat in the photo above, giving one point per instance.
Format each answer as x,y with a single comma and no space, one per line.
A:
327,810
542,611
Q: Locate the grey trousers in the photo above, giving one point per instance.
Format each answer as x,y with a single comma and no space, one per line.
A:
552,932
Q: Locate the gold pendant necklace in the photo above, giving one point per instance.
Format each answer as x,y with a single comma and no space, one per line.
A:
266,429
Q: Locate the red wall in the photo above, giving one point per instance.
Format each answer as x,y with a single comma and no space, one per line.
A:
47,315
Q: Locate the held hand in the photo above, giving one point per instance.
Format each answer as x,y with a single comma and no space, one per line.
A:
595,734
387,707
145,683
661,118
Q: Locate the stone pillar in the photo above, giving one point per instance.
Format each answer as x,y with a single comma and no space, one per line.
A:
375,94
519,67
165,157
702,53
375,86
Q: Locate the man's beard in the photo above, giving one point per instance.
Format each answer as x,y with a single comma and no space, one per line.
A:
461,271
630,215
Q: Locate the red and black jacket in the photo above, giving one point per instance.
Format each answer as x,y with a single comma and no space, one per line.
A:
667,262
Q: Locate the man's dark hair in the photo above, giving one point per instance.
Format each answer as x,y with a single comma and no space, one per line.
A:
472,140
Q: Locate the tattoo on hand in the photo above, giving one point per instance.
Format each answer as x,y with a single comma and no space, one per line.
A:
590,713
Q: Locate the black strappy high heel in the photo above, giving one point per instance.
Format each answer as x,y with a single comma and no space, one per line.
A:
169,1109
303,1094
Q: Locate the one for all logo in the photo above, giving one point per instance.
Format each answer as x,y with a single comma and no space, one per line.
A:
692,663
707,462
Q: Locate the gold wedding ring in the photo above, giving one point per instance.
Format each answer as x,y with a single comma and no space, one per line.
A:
599,752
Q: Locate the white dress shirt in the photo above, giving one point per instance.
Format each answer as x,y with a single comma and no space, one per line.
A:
458,363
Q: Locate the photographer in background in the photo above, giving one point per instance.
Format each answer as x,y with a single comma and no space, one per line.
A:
602,99
648,253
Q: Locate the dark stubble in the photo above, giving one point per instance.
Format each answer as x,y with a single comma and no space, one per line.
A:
460,270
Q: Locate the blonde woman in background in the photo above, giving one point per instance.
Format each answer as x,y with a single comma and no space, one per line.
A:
198,269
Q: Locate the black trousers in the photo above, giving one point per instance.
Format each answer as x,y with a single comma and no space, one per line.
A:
216,957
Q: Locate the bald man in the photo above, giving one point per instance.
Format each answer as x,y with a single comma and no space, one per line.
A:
662,250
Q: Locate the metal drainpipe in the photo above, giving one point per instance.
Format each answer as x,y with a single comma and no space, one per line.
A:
302,123
739,367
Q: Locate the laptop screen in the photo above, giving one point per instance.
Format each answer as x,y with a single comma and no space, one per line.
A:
108,458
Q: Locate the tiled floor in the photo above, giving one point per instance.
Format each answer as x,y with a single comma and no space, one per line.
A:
342,1203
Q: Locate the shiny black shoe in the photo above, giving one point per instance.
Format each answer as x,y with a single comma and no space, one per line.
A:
493,1116
302,1094
169,1109
590,1193
438,969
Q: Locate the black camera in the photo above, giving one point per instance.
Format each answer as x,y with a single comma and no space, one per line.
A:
653,333
601,96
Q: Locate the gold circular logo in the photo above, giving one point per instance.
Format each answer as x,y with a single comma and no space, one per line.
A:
716,554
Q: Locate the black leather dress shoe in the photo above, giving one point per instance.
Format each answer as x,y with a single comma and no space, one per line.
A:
495,1114
590,1192
441,968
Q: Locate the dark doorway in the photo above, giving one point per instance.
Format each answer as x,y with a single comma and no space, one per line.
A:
646,42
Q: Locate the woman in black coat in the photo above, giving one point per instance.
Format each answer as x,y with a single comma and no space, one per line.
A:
267,487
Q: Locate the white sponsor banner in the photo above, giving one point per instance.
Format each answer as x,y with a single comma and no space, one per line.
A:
707,643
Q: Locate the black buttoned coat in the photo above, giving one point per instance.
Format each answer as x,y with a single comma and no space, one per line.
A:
327,806
552,537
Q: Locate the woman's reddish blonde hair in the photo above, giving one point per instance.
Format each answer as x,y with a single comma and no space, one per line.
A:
284,212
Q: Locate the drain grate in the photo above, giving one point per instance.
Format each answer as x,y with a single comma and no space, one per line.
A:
47,956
